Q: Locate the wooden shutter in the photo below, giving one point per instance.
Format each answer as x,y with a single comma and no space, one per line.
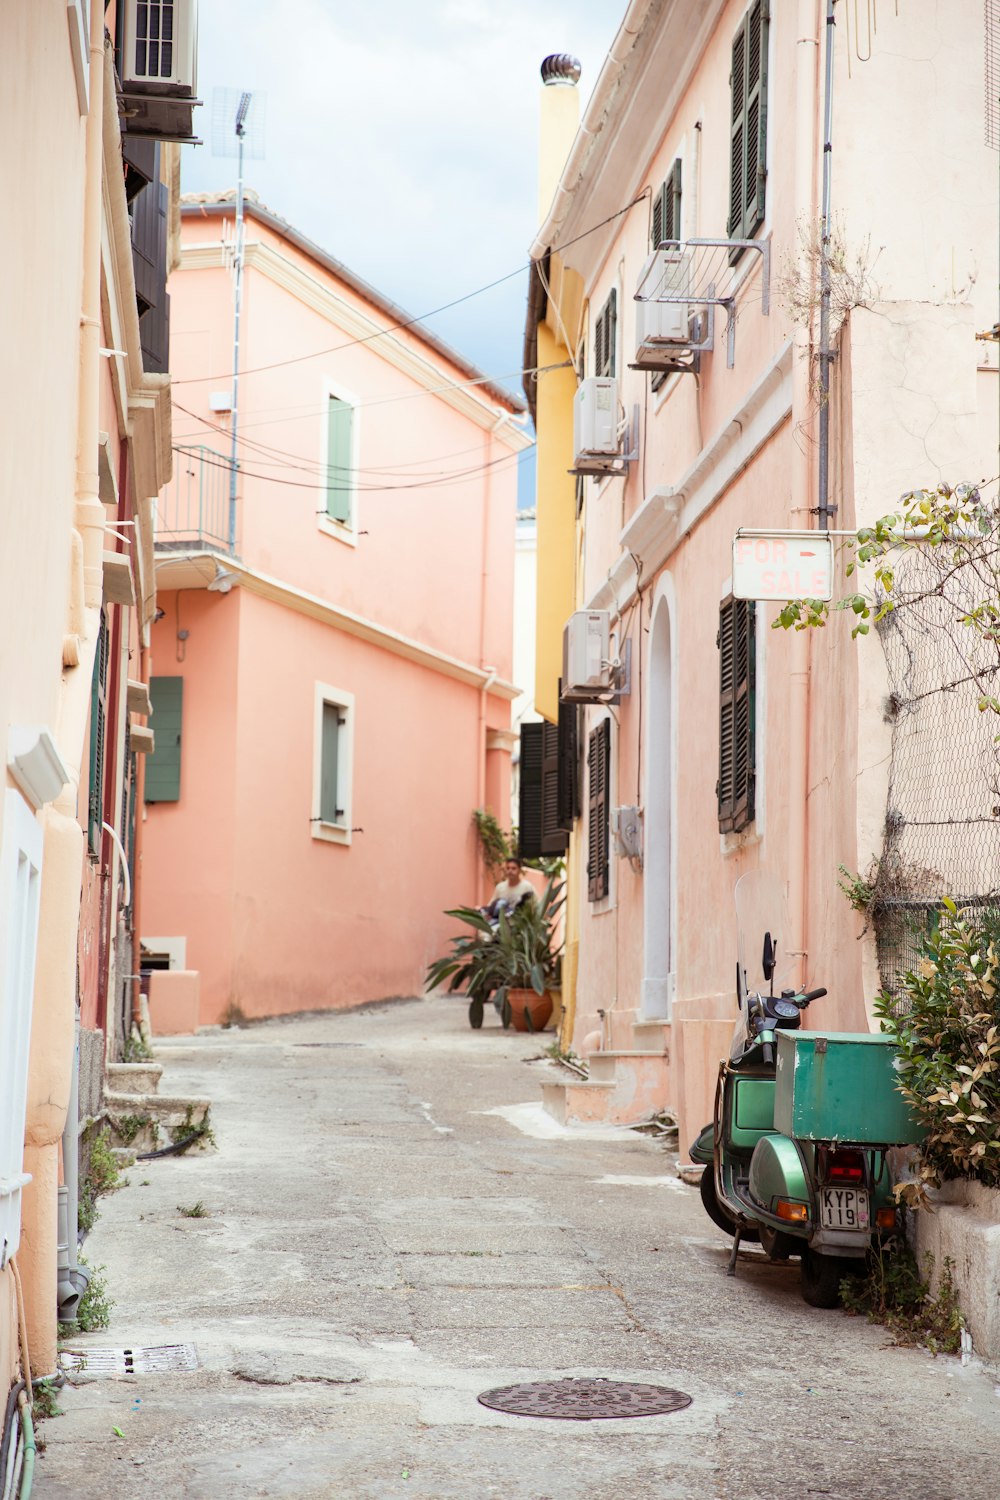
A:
339,448
599,763
656,233
329,771
737,674
569,764
98,731
748,124
540,831
529,808
163,767
606,336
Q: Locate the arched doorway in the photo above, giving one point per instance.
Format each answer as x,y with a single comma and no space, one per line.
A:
658,965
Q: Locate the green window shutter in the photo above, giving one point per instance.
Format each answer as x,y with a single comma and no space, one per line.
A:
737,713
163,767
656,233
339,448
329,774
599,763
98,729
748,124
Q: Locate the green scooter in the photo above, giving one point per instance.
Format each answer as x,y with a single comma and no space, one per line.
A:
795,1157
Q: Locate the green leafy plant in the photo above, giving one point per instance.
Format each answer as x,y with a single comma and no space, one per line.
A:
497,846
94,1309
194,1210
519,952
947,1033
896,1294
860,892
43,1399
136,1049
102,1175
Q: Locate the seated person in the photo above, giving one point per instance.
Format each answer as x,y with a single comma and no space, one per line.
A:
512,890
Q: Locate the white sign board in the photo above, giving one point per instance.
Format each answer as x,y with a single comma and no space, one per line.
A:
782,565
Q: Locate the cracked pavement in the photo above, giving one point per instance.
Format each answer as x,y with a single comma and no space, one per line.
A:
380,1248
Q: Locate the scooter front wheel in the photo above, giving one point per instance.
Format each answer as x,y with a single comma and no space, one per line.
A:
717,1212
821,1278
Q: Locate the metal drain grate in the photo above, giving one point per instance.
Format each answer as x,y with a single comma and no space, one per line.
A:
584,1400
161,1360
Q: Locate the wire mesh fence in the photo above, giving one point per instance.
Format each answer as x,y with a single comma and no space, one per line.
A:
942,827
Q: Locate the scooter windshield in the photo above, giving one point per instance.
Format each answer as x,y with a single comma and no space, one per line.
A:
762,912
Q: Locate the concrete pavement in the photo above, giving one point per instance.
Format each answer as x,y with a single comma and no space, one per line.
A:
381,1246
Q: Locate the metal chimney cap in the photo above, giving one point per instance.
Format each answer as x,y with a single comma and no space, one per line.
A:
561,67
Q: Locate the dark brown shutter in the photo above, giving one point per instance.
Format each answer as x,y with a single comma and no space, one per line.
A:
737,672
748,124
529,806
98,723
569,765
605,336
737,133
599,762
539,828
656,233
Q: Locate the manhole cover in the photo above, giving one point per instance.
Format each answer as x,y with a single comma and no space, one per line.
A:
156,1361
584,1400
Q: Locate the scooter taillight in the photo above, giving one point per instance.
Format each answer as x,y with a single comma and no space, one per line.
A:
845,1166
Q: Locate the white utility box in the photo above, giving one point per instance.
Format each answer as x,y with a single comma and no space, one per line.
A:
595,418
586,643
160,44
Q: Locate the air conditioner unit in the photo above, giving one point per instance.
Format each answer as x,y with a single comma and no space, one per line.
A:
160,43
586,666
159,67
663,327
596,439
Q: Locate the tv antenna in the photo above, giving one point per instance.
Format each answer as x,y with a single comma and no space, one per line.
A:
237,130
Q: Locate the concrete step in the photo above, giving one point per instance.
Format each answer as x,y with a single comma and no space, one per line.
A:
147,1122
624,1088
133,1078
606,1066
577,1101
651,1036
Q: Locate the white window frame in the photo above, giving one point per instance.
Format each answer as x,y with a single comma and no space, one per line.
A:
20,896
333,833
78,17
341,531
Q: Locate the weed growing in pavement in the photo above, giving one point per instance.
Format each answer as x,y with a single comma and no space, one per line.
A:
103,1175
136,1049
94,1310
129,1126
896,1294
43,1400
195,1211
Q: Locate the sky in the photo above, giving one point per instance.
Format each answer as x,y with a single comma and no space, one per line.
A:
402,138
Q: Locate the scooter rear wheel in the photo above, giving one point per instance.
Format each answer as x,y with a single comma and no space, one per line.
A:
821,1278
717,1211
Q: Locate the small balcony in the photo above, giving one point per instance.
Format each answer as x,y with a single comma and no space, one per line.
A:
192,511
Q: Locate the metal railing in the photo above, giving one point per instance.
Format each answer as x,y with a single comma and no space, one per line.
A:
193,509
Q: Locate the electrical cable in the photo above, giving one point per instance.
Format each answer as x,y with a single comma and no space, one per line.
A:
501,465
411,322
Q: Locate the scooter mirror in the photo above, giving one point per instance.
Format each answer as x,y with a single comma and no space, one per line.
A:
769,962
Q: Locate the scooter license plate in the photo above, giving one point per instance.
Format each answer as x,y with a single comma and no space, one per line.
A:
843,1208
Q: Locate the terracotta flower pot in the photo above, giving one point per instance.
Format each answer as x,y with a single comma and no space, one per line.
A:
524,1003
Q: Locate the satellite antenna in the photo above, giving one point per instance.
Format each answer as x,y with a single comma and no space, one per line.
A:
237,130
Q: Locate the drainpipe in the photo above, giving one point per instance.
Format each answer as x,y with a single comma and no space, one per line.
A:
72,1279
824,508
484,577
800,646
139,794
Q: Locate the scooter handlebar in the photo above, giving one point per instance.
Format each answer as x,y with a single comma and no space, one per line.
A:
809,997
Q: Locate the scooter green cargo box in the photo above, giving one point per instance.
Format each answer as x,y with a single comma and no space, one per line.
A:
841,1086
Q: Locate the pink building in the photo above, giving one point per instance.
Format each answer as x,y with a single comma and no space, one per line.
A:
331,663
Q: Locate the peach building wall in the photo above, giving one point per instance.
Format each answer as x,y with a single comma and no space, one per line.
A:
277,920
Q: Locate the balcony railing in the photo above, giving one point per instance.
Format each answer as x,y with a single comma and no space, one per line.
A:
193,509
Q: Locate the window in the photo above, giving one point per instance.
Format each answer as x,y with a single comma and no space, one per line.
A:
331,816
98,730
748,131
666,226
606,336
599,823
163,767
667,209
737,708
547,797
339,461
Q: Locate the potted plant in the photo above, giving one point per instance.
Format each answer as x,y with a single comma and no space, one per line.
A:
475,961
529,960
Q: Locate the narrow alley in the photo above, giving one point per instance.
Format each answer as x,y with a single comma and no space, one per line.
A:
387,1232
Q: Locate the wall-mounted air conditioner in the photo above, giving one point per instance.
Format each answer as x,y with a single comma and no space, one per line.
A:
663,313
158,66
587,670
597,443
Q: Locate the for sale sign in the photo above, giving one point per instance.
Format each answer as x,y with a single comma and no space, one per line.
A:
782,565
